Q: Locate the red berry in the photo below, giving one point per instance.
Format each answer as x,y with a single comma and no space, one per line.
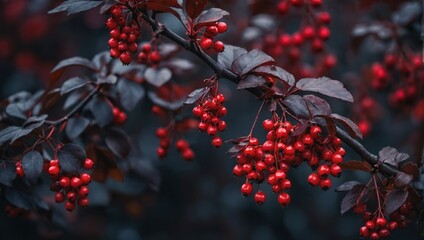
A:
284,199
54,171
308,140
212,30
113,43
325,184
323,170
360,209
154,57
314,179
272,179
268,124
286,184
83,202
269,159
364,232
59,197
65,182
374,236
281,132
289,150
238,170
324,33
315,132
219,46
324,17
384,233
296,3
370,225
335,170
188,154
260,197
85,178
381,221
72,196
198,111
222,27
83,191
336,158
125,58
316,3
205,43
393,225
282,7
116,11
246,189
88,164
76,182
181,145
20,171
217,142
69,206
280,174
308,32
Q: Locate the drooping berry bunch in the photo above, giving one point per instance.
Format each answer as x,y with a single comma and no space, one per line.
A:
166,137
124,33
210,112
71,188
211,31
377,227
147,56
282,150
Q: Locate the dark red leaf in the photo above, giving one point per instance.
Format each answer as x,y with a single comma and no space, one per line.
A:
410,168
356,165
102,112
298,105
75,6
348,124
195,7
73,84
245,63
209,17
32,164
325,86
226,58
394,200
351,198
130,93
157,77
62,65
196,95
251,81
391,156
71,157
118,142
317,105
347,186
75,126
173,106
403,179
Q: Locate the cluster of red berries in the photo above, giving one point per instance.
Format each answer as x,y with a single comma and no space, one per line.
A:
284,5
147,56
123,34
206,41
377,226
280,151
72,188
210,113
165,142
119,117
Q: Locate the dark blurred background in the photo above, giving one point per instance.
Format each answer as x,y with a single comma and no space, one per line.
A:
199,199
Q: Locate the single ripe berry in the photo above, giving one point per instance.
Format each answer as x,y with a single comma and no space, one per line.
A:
76,182
59,197
188,154
281,132
308,140
323,170
314,179
206,43
364,232
70,206
374,236
219,46
246,189
88,164
370,225
212,30
72,196
282,7
393,225
268,124
286,184
217,142
125,58
85,178
381,221
83,202
181,145
336,158
161,152
154,57
284,199
315,132
238,170
260,197
335,170
83,191
383,233
222,27
54,171
65,182
325,184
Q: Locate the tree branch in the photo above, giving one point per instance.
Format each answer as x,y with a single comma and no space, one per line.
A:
383,168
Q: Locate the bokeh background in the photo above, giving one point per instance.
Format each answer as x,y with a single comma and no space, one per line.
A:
199,199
